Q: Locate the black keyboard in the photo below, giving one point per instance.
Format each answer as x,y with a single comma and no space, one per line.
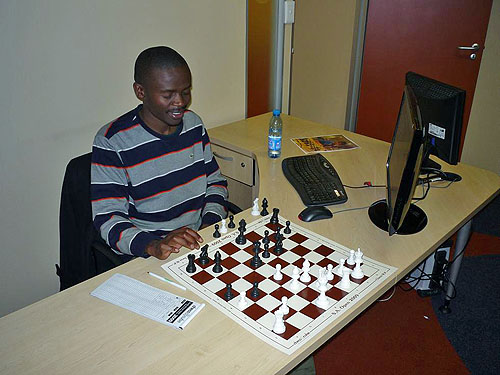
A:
315,179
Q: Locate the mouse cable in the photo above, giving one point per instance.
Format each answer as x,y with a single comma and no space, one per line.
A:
368,185
350,209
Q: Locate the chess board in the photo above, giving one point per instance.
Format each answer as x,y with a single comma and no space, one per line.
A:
305,319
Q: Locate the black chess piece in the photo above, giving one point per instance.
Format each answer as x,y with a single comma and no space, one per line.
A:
217,268
278,248
287,229
264,211
265,240
191,267
231,222
229,293
255,293
242,224
278,236
204,259
216,233
274,218
256,261
241,239
266,253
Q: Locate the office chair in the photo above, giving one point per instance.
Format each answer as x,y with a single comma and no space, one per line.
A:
82,252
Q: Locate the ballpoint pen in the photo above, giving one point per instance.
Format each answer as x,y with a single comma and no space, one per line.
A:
167,280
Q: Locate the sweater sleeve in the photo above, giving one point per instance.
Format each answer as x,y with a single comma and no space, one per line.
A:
214,208
110,201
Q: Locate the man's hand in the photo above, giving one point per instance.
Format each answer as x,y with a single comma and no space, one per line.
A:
173,242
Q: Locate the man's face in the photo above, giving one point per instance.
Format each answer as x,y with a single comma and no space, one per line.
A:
166,93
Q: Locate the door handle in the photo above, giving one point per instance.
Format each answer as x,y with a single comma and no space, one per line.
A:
226,158
474,47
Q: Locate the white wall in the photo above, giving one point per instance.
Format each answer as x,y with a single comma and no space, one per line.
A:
66,69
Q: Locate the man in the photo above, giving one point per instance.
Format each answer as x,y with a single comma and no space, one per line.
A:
154,180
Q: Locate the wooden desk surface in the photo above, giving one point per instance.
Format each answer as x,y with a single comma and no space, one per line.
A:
72,332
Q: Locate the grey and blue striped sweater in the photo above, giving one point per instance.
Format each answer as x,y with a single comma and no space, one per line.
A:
145,185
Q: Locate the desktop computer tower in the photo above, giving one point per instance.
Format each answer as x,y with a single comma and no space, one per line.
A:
427,275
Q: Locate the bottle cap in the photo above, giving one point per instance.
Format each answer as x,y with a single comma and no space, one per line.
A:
276,112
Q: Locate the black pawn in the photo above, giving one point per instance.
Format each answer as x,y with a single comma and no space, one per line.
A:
231,222
274,218
216,233
229,293
266,253
204,259
287,229
217,267
256,261
265,240
191,267
255,290
264,211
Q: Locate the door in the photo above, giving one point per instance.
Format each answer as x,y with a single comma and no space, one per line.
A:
421,36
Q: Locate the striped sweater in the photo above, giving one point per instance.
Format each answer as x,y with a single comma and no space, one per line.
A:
145,185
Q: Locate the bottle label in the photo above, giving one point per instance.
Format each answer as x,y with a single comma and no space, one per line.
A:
274,143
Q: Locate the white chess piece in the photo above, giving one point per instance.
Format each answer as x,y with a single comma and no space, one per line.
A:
357,272
305,277
340,267
359,255
322,301
346,281
284,307
278,275
322,282
242,301
329,272
255,208
351,260
295,285
223,228
279,324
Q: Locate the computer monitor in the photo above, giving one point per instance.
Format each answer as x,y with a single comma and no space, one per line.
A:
441,107
396,213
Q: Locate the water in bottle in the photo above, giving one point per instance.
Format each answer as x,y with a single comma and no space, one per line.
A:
274,138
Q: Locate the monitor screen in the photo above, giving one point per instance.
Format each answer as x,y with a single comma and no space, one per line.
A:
441,107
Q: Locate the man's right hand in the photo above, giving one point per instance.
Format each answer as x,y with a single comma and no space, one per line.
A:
172,243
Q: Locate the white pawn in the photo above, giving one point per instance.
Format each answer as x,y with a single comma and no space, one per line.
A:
255,208
223,228
242,301
346,281
295,285
351,261
305,277
322,301
284,307
329,272
279,324
357,273
341,266
278,275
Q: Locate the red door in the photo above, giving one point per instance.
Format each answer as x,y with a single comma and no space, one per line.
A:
421,36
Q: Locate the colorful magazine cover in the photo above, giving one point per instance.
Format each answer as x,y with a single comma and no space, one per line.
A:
324,143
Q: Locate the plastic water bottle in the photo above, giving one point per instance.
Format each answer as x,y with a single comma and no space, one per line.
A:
274,138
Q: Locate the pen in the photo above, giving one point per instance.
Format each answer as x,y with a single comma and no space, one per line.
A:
167,280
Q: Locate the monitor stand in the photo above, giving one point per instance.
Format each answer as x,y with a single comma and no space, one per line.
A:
414,222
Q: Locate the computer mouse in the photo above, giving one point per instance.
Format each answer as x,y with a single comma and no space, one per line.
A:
315,213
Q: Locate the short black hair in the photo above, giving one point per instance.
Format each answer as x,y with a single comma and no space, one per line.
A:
156,57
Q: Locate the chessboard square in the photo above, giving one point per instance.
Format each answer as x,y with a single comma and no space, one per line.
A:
229,248
308,294
297,303
285,278
313,257
202,277
255,311
300,320
229,263
288,270
324,250
241,256
300,250
310,244
210,263
268,285
222,294
336,293
228,277
290,257
315,269
249,248
273,227
313,311
325,262
253,277
298,238
276,261
267,321
290,331
300,286
281,292
268,302
241,270
241,285
268,260
253,236
267,270
214,285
